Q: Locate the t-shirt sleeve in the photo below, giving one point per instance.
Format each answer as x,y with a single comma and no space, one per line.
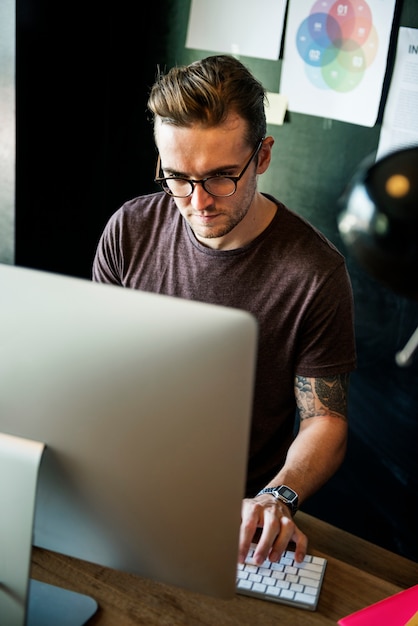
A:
328,338
107,260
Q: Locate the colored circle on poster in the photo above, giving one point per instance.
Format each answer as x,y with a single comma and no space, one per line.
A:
344,73
315,75
315,35
371,46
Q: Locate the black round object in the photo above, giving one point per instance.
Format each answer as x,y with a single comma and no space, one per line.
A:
379,219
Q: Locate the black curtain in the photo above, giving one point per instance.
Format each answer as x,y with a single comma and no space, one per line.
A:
84,144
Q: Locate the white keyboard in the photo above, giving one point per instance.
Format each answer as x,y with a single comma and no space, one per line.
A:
287,582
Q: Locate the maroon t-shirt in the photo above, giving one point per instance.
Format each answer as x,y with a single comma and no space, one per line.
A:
291,278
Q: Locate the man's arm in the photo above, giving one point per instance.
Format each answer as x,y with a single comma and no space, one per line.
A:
314,456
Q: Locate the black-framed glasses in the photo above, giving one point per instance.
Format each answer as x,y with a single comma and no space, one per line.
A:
220,186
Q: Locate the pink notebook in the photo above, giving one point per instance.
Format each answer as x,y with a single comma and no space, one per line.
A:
396,610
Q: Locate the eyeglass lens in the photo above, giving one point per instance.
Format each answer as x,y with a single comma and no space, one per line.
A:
217,186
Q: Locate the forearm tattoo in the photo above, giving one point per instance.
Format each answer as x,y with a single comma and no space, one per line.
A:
328,396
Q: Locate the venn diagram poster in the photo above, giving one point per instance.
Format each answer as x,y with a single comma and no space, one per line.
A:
335,58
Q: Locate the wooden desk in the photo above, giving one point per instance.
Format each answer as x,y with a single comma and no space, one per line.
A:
358,574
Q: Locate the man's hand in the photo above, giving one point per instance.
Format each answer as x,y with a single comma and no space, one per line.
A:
278,529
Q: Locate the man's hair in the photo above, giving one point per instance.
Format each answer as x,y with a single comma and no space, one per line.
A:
206,91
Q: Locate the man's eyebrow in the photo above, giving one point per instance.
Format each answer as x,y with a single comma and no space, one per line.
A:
214,172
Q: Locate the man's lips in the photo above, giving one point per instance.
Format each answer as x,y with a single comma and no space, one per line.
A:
206,218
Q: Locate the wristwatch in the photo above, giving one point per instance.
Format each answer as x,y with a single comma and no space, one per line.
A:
285,494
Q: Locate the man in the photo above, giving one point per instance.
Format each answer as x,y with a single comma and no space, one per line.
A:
210,235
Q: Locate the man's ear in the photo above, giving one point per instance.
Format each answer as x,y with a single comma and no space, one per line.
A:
264,156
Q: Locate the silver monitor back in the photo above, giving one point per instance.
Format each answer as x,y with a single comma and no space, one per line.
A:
144,403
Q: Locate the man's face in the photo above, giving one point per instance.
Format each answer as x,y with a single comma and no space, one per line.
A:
196,153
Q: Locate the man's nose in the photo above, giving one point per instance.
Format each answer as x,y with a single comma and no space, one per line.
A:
200,198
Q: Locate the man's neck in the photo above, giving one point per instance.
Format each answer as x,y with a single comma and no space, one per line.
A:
258,218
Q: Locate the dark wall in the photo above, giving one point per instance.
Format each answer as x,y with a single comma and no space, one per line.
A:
84,147
375,493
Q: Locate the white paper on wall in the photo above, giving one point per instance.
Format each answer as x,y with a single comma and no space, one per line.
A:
400,120
238,27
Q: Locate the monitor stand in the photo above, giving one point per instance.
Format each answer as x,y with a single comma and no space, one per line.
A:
49,606
23,601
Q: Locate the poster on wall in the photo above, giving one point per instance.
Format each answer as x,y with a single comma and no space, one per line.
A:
400,121
238,27
335,58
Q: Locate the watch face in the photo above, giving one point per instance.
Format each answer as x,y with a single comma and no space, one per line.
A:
287,493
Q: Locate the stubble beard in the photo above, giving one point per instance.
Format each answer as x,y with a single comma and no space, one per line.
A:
232,220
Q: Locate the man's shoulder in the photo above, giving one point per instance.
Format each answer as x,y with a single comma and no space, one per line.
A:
299,235
145,207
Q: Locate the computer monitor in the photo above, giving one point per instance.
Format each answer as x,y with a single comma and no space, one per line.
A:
143,402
